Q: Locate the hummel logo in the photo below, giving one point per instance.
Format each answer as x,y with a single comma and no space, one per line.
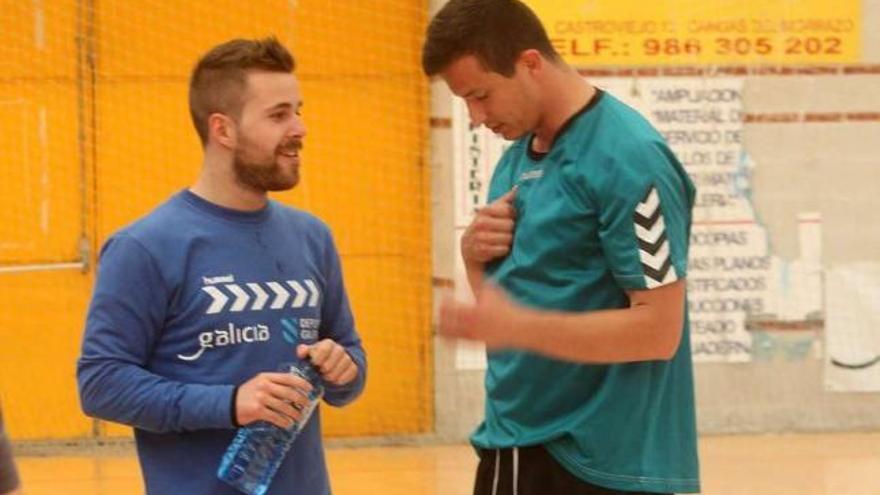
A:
222,279
531,175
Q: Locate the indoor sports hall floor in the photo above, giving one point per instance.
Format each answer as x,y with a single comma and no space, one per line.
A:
816,464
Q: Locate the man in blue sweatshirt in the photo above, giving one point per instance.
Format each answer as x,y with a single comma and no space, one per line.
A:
197,304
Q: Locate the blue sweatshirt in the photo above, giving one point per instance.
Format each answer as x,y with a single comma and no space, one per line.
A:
194,300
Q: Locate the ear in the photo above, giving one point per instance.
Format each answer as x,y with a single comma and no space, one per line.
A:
532,60
222,130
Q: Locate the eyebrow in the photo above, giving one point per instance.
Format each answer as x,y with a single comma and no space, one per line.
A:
283,105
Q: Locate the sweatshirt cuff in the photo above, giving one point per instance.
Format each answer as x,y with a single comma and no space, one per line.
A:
232,416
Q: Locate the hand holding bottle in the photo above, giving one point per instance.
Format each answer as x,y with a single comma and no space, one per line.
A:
277,398
331,360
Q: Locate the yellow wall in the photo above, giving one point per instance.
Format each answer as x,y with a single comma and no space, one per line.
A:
364,173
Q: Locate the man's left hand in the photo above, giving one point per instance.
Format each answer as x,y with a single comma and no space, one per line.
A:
494,319
331,359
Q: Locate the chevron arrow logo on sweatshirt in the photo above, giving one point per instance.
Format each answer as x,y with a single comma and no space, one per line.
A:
254,297
653,244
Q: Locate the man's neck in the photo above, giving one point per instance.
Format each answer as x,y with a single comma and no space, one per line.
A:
217,185
566,96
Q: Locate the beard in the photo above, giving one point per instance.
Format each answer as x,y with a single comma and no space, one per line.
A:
267,174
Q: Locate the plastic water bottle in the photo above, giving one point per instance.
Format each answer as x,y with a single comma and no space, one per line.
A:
258,449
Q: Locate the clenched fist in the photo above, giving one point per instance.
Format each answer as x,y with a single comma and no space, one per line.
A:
490,234
331,360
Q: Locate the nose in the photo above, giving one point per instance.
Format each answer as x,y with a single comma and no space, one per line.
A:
476,113
298,127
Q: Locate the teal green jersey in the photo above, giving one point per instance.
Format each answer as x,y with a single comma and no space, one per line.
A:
606,210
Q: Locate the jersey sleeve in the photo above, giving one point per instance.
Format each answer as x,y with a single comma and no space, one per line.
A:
337,323
644,217
124,320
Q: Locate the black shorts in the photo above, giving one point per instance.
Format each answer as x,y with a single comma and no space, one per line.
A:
530,471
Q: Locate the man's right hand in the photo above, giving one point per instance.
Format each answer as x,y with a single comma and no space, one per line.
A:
490,234
274,397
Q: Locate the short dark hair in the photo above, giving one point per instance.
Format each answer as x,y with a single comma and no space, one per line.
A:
495,31
218,80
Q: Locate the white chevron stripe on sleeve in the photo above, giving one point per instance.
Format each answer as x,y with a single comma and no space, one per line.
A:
647,207
651,235
241,298
655,261
218,299
650,230
261,299
313,301
670,277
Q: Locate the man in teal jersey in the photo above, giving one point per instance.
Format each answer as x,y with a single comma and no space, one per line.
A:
578,266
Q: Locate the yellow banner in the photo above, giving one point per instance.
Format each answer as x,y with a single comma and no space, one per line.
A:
589,33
